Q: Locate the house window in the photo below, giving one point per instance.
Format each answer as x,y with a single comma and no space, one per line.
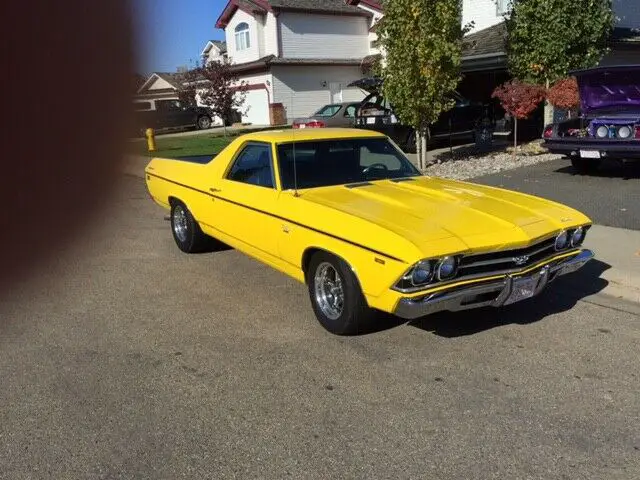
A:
242,37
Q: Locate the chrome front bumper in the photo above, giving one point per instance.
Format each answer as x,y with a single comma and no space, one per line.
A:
495,293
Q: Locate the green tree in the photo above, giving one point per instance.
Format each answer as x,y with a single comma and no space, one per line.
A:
548,38
422,45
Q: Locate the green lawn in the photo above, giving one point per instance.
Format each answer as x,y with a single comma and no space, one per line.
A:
191,145
172,147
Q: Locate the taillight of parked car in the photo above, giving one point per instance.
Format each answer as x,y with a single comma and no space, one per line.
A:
311,124
637,130
548,132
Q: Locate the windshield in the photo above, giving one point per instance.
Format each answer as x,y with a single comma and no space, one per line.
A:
327,111
322,163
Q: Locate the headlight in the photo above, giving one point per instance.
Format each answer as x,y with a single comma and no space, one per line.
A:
447,268
602,131
577,237
562,241
624,132
422,273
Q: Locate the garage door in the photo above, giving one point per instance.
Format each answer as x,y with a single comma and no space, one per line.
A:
257,105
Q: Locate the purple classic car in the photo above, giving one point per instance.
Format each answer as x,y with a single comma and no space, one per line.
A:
609,123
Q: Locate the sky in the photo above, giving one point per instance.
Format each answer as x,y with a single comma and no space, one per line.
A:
171,33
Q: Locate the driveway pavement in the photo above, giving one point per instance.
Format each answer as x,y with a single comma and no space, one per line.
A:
610,198
127,359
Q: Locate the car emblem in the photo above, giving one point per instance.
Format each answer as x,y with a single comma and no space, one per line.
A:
521,260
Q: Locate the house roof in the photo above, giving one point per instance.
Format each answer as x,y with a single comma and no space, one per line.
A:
375,4
334,6
488,41
261,7
220,45
265,62
173,79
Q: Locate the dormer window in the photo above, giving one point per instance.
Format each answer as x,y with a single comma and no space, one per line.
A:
242,36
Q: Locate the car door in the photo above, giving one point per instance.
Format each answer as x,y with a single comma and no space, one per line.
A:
186,115
245,201
168,113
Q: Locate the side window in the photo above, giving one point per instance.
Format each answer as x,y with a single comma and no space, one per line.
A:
350,111
142,106
168,105
253,166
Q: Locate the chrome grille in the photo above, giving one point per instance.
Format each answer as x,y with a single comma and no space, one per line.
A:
508,260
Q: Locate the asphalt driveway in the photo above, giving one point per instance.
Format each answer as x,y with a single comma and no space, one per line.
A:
611,197
127,359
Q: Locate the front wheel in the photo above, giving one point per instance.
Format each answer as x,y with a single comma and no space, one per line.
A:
336,297
583,166
204,122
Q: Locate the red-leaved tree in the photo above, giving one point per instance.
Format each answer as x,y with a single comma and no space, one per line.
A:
220,89
519,100
564,94
216,86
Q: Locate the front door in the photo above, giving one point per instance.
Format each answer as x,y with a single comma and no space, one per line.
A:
169,113
245,201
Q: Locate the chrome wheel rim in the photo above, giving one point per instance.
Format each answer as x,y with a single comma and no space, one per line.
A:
329,291
180,226
204,123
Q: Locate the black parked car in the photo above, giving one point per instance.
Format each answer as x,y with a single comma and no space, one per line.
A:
375,113
170,114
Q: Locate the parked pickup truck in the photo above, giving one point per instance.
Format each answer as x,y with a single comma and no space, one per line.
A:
170,115
609,123
375,112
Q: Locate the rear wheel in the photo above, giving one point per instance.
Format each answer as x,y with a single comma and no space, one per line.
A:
584,166
186,231
336,297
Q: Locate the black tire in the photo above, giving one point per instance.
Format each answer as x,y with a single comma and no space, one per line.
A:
355,315
582,166
186,231
203,122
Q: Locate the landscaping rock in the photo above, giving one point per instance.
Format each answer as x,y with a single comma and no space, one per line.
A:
465,168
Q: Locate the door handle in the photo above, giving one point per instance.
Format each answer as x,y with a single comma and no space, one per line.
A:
214,190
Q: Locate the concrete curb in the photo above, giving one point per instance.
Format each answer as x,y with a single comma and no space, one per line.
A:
619,248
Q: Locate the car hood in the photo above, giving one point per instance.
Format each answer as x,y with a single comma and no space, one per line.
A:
608,88
435,213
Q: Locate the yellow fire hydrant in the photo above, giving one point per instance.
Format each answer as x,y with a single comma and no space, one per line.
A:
151,140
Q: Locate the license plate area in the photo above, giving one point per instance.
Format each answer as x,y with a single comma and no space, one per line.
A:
589,154
522,289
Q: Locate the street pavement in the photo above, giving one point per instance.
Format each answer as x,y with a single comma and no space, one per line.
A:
611,197
127,359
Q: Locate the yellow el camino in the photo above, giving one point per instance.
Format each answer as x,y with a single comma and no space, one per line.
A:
345,212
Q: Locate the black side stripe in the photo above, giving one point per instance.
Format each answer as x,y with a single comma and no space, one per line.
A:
390,257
